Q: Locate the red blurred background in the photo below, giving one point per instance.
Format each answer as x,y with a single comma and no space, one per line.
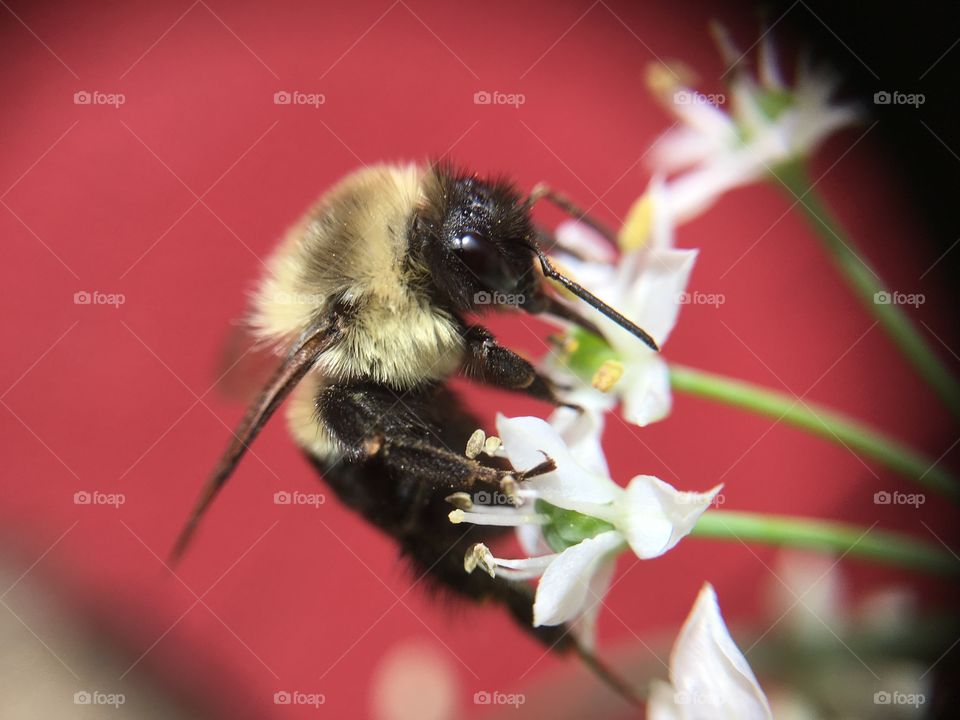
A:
174,199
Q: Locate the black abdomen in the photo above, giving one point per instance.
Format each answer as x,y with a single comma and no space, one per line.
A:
415,514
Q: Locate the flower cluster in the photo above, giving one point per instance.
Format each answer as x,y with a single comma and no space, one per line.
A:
770,124
574,521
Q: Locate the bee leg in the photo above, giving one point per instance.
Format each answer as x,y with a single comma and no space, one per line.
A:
493,364
371,421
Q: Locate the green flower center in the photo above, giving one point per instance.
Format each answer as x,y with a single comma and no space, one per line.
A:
567,528
774,102
589,352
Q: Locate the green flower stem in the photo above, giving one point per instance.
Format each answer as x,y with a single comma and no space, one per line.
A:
833,537
866,283
828,424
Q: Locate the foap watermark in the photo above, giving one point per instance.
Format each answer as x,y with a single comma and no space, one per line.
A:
86,97
97,697
298,697
499,298
484,697
898,298
884,497
283,497
895,97
95,297
96,497
701,298
485,97
296,97
691,498
287,298
691,97
485,497
702,699
884,697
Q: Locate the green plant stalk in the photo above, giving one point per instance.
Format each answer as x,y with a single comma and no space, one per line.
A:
828,424
840,538
866,283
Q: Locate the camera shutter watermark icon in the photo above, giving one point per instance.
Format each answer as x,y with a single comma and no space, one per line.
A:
96,497
497,497
97,697
499,298
297,697
288,298
285,497
96,297
297,97
85,97
895,97
885,697
691,97
485,697
495,97
686,697
701,298
885,497
884,297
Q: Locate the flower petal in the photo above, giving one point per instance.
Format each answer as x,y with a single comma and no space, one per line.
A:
704,117
661,704
531,540
710,675
582,429
768,68
683,147
653,282
563,589
696,190
527,439
584,241
655,516
585,628
646,394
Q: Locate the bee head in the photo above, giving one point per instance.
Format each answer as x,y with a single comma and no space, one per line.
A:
474,240
476,248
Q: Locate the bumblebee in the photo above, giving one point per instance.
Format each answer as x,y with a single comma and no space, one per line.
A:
366,299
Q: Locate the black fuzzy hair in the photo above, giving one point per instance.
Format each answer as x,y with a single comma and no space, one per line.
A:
457,201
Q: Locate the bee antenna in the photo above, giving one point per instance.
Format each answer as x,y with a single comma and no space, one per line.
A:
593,301
608,676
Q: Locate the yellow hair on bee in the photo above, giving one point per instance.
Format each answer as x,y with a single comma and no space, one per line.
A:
353,245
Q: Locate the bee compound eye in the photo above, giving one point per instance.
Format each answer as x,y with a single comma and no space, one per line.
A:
484,260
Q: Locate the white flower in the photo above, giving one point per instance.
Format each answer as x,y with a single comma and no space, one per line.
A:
769,124
647,285
649,516
710,678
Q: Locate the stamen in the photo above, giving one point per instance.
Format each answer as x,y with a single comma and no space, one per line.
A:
511,490
608,375
533,563
491,446
507,518
475,444
460,500
479,555
525,569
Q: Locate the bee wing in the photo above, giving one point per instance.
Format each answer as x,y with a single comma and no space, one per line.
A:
301,357
245,364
